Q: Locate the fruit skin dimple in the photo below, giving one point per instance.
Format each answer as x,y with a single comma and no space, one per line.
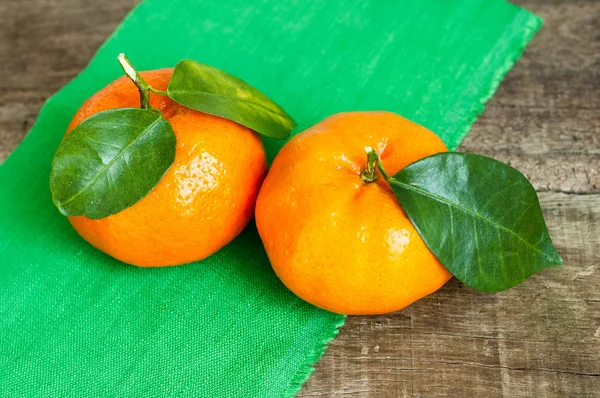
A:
339,243
204,200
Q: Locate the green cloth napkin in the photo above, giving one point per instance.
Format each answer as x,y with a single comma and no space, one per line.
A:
74,322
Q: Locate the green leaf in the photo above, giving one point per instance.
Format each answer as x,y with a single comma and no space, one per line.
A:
210,90
480,217
110,161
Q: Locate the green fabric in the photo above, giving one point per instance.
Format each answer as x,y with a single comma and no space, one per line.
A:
74,322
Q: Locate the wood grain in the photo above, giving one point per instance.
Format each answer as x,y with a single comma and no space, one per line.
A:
541,339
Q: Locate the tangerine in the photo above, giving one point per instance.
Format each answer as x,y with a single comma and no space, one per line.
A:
336,241
203,201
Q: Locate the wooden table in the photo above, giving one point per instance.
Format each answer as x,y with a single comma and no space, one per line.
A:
541,339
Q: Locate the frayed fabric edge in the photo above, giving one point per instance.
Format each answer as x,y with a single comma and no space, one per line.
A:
308,366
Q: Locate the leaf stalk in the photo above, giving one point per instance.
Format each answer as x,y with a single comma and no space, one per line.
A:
143,87
369,174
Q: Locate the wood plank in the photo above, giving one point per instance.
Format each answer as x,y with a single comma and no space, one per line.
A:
545,117
541,339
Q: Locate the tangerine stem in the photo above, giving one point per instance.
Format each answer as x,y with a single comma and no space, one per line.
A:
369,174
143,87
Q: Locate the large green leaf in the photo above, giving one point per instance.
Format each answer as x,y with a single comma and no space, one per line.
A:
210,90
480,217
110,161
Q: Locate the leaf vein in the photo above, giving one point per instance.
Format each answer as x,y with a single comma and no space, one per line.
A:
452,232
279,112
477,245
102,143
